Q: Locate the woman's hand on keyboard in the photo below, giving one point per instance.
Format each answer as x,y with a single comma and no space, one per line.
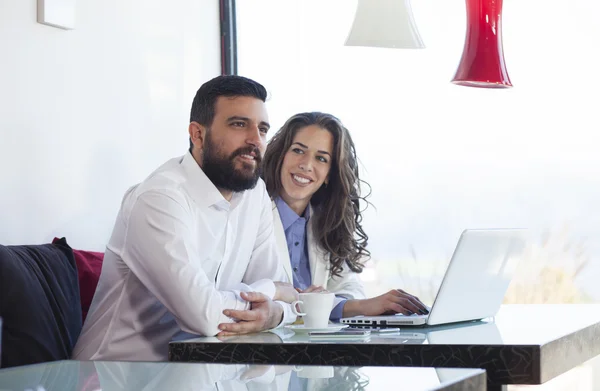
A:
393,302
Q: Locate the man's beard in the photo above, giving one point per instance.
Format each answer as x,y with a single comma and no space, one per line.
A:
221,169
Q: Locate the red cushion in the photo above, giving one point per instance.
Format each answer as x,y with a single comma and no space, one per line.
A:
89,266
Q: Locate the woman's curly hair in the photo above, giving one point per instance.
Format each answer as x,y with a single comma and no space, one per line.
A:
336,206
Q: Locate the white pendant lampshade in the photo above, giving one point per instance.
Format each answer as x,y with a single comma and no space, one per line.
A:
384,24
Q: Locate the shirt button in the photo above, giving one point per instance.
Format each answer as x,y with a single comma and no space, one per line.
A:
295,269
297,243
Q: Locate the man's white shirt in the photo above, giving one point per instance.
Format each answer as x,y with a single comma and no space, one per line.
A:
178,256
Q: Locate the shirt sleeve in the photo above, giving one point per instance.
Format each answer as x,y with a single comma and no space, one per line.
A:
338,310
160,250
264,262
288,315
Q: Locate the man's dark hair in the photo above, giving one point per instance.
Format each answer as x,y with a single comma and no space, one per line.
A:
203,107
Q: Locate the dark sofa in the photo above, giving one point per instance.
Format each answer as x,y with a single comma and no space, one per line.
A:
39,303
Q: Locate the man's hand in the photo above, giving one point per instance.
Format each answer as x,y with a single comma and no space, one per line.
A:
285,292
264,314
392,302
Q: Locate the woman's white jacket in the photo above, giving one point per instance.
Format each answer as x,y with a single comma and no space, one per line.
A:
347,285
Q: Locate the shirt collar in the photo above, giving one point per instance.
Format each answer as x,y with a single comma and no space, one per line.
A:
287,214
203,191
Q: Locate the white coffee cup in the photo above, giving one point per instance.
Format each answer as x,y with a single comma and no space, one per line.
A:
315,308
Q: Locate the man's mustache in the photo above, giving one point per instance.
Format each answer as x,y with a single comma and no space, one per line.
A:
248,151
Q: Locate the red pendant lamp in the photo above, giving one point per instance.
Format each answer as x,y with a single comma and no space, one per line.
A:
482,63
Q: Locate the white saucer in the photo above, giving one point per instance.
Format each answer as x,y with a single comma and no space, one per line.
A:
301,329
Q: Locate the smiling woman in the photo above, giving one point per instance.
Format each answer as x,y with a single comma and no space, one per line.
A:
306,166
311,173
312,159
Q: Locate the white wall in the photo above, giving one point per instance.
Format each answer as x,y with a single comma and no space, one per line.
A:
84,114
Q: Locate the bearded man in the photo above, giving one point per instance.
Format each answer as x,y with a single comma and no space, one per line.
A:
192,251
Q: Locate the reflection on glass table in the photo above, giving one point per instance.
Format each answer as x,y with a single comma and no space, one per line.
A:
276,336
131,376
476,332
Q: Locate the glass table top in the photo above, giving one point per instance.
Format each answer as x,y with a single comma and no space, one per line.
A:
131,376
514,325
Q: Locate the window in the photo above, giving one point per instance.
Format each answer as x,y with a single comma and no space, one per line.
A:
441,158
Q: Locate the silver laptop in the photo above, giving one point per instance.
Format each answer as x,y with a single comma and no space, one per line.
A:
475,282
